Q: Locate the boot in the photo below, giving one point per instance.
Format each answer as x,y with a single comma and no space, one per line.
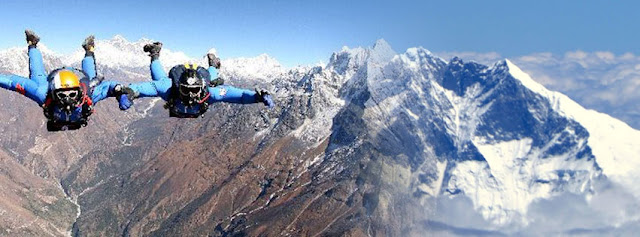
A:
153,50
32,38
89,45
213,60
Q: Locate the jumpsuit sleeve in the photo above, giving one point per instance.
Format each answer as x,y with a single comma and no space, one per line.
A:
159,85
158,88
231,94
103,90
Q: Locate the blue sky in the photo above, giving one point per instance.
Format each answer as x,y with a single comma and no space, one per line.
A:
305,32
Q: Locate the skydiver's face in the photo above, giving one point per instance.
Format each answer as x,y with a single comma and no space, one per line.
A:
68,98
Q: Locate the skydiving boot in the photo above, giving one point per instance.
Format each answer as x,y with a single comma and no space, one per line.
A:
214,61
89,45
153,50
32,38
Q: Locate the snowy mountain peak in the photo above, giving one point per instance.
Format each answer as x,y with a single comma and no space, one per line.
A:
381,43
611,140
523,77
454,132
511,141
349,59
422,55
118,52
119,38
121,54
456,60
266,59
382,51
263,67
46,50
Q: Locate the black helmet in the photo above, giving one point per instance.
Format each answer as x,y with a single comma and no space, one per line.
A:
192,88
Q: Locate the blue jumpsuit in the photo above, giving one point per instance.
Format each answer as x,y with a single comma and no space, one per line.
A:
36,87
161,84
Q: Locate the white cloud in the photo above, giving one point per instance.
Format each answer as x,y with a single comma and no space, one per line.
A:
540,58
576,55
610,210
607,56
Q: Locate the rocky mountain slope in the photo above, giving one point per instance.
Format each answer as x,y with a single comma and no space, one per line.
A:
374,143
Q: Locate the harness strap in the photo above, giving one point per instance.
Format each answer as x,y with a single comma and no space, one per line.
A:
205,98
47,102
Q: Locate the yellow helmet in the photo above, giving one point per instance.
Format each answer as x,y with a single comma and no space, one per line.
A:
65,79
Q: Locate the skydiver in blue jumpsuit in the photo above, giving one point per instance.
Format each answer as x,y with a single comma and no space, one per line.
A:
67,95
189,89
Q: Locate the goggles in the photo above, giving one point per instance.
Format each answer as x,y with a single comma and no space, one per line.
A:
64,95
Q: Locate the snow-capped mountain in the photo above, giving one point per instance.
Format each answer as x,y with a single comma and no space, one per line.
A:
374,142
602,81
490,134
119,54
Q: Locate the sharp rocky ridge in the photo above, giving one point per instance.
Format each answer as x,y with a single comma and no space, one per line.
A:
372,143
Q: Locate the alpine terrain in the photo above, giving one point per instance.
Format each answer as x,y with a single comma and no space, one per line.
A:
374,143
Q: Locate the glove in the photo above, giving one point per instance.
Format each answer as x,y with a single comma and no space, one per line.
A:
268,101
124,102
125,96
217,82
265,97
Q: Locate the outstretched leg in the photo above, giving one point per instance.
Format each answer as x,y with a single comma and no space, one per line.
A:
24,86
214,66
36,66
157,71
89,62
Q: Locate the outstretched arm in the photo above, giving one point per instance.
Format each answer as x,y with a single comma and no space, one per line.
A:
158,88
142,89
24,86
103,90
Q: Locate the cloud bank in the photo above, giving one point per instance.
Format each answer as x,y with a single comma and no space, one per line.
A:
610,210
